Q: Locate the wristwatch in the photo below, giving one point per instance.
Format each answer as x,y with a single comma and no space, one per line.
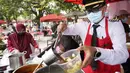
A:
97,54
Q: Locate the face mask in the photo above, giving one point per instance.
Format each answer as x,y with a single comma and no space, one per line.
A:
106,14
124,20
95,17
20,33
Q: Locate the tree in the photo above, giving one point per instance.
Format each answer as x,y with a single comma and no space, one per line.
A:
40,7
10,9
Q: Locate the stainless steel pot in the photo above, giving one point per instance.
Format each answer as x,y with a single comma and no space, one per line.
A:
53,69
17,60
29,68
50,55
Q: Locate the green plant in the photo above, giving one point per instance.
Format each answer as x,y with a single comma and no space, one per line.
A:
2,45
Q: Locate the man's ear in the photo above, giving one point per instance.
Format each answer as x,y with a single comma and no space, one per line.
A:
104,9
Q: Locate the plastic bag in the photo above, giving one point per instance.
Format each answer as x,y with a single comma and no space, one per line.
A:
5,59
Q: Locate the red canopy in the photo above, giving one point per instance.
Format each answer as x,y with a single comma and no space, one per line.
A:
81,1
111,1
52,17
114,5
2,22
74,1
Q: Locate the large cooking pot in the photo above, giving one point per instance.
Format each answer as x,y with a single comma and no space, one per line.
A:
53,69
17,60
27,68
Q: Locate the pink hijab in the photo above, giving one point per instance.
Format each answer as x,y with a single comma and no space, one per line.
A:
21,42
20,27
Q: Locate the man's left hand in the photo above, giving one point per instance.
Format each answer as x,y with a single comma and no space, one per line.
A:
89,51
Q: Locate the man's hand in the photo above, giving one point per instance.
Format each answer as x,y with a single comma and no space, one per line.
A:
61,27
89,51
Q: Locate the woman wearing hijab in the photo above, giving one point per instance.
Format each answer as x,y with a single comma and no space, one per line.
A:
20,41
123,16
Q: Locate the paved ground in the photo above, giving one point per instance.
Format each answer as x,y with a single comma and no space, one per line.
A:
42,41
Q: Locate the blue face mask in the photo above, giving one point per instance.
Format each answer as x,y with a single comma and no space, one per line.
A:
106,14
124,20
95,17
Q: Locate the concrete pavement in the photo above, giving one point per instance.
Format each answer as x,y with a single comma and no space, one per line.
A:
42,41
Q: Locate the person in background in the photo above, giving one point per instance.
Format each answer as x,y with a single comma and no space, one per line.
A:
104,50
84,18
12,28
1,29
20,41
67,43
45,31
124,19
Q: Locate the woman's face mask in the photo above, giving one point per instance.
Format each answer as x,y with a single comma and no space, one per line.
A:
95,16
21,32
124,20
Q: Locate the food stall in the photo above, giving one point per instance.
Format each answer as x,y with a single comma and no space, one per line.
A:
72,64
68,62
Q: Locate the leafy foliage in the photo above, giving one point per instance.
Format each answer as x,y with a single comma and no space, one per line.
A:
11,9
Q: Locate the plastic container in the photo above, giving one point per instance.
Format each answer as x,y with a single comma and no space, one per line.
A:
73,63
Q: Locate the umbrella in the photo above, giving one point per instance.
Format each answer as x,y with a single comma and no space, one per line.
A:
75,13
2,22
74,1
83,2
112,1
116,7
52,17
